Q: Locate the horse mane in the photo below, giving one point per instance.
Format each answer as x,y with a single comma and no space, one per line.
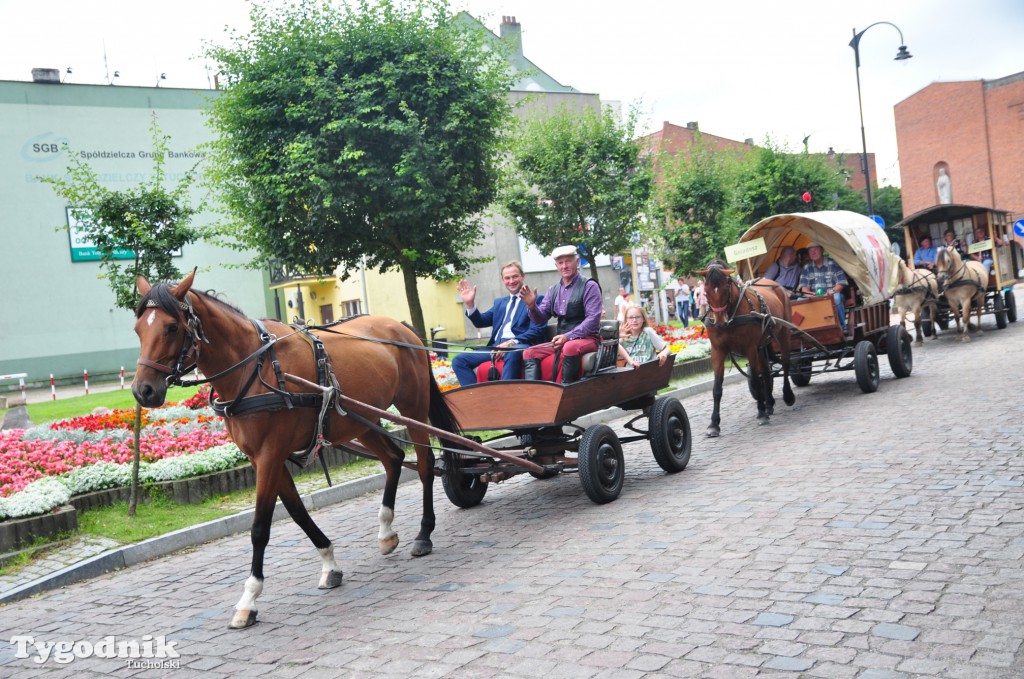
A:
162,299
945,253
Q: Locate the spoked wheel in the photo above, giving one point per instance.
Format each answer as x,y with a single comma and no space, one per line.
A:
1000,311
1011,306
601,465
865,365
464,490
901,355
669,430
801,377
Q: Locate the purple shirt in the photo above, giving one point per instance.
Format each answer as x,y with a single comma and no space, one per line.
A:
558,302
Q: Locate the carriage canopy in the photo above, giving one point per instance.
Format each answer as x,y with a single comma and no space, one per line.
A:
854,242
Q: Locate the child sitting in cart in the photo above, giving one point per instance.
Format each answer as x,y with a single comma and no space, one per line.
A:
638,341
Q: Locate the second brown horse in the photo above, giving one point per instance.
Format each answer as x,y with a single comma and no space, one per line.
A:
741,320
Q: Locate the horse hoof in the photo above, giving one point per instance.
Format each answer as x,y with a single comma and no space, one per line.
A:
387,545
330,579
762,420
920,341
712,432
242,619
422,547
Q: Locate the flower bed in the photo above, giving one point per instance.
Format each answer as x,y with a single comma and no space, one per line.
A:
41,467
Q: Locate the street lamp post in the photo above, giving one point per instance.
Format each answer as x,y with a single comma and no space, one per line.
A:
901,55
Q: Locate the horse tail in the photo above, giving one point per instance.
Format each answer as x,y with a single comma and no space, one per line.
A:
440,413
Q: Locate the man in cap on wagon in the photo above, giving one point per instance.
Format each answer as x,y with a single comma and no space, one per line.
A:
822,276
576,302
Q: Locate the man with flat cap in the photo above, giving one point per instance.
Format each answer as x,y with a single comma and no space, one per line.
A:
576,302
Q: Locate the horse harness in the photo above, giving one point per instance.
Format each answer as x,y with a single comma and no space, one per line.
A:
918,284
277,397
959,282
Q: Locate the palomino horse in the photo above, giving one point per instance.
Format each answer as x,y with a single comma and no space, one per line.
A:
919,288
178,326
963,283
741,320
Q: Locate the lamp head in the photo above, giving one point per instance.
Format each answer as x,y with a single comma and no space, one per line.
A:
903,54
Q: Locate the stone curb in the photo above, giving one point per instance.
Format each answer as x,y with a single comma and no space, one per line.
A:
129,555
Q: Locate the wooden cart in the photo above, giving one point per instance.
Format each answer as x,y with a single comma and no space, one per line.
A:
818,343
539,436
964,220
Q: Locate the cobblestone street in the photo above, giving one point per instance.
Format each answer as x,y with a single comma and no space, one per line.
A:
857,535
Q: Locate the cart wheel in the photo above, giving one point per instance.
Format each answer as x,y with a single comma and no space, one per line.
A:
801,377
926,322
901,355
669,431
1000,311
601,466
1011,306
865,366
464,490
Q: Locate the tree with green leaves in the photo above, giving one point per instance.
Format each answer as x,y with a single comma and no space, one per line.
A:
578,178
695,207
148,222
776,181
361,131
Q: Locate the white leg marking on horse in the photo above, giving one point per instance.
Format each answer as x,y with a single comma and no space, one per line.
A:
152,317
327,559
387,539
253,588
330,574
386,516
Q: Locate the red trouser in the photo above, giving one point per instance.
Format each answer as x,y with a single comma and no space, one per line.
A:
576,347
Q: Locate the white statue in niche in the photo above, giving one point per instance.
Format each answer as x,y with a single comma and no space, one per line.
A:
944,187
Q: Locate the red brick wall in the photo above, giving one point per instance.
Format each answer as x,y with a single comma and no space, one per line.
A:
676,139
977,129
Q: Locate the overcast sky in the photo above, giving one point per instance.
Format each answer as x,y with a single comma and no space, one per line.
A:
740,69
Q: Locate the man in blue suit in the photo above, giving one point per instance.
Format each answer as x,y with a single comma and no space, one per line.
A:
511,328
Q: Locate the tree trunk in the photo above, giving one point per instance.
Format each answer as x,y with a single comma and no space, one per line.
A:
133,495
412,296
593,268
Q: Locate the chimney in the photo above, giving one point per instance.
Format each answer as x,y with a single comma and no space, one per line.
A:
46,75
692,126
512,31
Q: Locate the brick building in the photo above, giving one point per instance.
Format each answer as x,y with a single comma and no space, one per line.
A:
974,130
672,140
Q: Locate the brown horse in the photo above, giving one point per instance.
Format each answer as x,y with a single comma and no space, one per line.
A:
178,326
741,320
919,288
963,283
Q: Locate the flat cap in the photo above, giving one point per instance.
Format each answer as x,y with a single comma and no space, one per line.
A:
563,250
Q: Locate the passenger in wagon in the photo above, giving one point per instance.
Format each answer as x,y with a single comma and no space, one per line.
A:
951,241
925,255
576,302
510,325
639,343
820,276
785,271
985,256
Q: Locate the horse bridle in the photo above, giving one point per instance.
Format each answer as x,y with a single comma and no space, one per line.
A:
190,344
731,316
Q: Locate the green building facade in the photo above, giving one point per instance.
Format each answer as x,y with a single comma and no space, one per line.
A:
56,315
